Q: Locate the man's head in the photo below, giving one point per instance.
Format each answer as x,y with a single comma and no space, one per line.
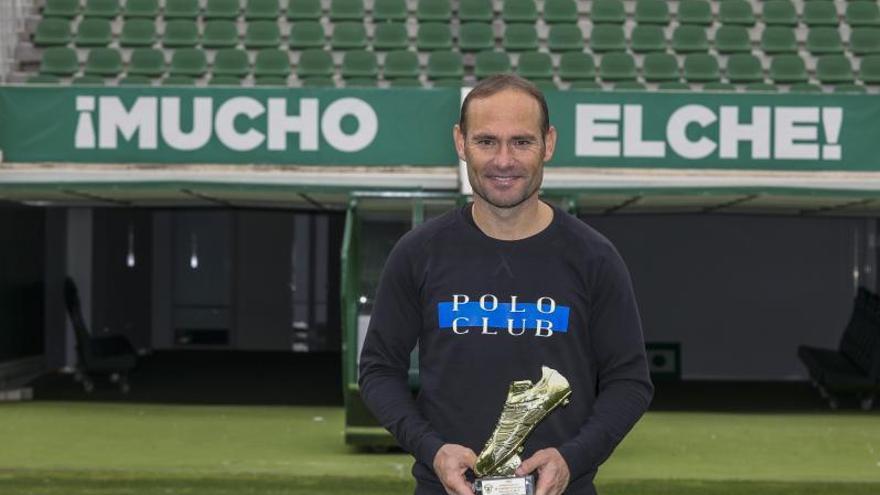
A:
504,135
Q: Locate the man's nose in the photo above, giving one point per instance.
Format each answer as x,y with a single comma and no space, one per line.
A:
504,156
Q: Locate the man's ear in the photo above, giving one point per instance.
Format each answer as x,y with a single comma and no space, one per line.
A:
458,138
549,143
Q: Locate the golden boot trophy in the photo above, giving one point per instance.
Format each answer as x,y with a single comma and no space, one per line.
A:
526,405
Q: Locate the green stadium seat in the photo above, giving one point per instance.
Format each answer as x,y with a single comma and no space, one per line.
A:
445,65
488,63
106,62
389,11
106,9
574,66
475,10
617,67
869,70
224,81
304,10
138,32
629,86
520,38
607,38
696,12
135,81
607,12
804,88
231,62
180,33
361,82
652,12
817,13
535,66
733,39
52,32
314,63
701,67
43,79
220,34
560,12
864,40
317,82
788,69
689,39
222,9
780,13
349,36
659,67
850,88
270,81
521,11
565,37
307,34
647,39
272,62
719,87
447,83
148,9
262,10
778,39
390,36
359,64
406,82
585,85
736,12
346,10
66,9
188,62
59,61
863,14
434,11
262,34
475,37
88,81
146,62
94,32
834,69
434,36
824,40
744,68
401,64
544,84
179,80
673,86
761,87
181,9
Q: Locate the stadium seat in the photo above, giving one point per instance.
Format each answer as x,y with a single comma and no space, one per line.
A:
262,10
862,14
270,81
401,64
659,67
43,79
188,62
148,9
307,34
544,84
804,88
574,66
535,66
744,68
304,10
138,32
262,34
105,62
732,39
629,86
475,37
673,86
224,81
697,12
272,62
178,80
406,82
348,36
346,10
824,40
850,88
317,82
778,39
59,61
864,40
834,69
135,81
560,12
652,12
180,34
648,38
358,64
736,12
761,87
617,67
222,9
106,9
488,63
315,63
361,82
181,9
607,12
434,36
818,13
788,69
586,85
94,32
701,67
522,11
447,83
390,36
520,37
434,11
389,11
565,37
689,39
475,11
146,62
87,81
220,34
66,9
719,87
445,65
52,32
607,38
231,62
869,70
780,13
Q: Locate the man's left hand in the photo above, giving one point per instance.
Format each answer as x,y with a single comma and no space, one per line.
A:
553,473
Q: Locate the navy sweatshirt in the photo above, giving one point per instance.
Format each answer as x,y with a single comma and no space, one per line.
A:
486,312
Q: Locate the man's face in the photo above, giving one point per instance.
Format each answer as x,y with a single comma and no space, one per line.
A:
503,147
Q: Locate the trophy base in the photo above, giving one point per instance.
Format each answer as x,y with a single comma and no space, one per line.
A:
505,485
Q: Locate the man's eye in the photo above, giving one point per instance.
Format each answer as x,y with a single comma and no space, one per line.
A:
484,142
523,142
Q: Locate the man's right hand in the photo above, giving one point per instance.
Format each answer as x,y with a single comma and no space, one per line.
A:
450,464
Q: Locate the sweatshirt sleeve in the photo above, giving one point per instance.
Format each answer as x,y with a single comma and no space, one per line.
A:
392,334
624,388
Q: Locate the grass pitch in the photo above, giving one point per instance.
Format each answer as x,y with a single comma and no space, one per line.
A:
59,448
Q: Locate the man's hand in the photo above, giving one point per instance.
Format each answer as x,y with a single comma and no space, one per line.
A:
450,464
553,473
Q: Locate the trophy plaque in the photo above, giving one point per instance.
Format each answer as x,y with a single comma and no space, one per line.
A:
526,405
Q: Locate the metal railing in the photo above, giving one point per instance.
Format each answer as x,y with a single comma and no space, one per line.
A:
12,17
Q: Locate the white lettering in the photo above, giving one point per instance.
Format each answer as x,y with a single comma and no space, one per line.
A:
458,300
552,305
305,124
793,125
331,124
513,306
731,132
201,126
588,128
483,302
142,118
540,327
225,123
633,144
676,131
486,327
455,325
84,137
522,327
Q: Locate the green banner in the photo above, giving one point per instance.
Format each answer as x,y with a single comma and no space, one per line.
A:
383,127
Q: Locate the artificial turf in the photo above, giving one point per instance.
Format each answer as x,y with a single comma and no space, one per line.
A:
56,448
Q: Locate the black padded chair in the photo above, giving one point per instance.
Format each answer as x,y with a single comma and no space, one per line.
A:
854,368
111,354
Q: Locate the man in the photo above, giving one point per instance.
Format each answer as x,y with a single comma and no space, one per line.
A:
491,292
